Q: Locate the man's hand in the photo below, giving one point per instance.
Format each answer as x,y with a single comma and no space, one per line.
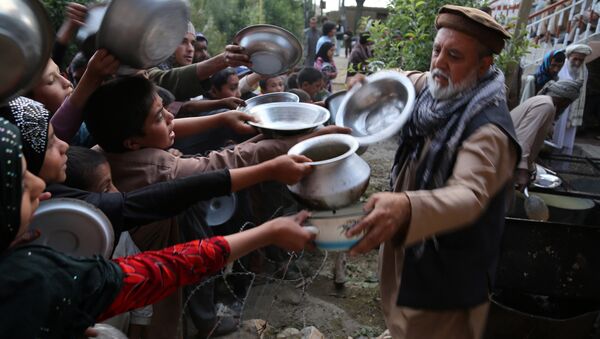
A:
237,122
232,102
289,234
389,213
288,169
234,56
522,178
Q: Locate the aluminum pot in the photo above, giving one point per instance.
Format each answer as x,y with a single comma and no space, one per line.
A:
143,33
339,175
26,38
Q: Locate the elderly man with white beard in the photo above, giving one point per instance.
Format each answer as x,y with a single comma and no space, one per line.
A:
573,69
440,228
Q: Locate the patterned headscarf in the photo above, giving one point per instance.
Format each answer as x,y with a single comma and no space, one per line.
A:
32,119
542,75
10,183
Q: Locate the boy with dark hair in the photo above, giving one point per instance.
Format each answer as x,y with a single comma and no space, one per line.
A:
310,80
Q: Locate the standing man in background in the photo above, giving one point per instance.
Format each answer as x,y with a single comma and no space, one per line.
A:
311,36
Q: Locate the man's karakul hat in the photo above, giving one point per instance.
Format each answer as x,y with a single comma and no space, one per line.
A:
475,23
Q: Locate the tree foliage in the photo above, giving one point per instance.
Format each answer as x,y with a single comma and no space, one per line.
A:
56,10
405,39
220,20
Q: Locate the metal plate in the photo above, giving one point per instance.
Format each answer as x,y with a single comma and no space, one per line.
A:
546,180
379,108
73,227
288,118
272,50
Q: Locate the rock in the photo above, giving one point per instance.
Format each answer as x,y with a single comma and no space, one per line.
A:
290,296
290,333
251,329
312,332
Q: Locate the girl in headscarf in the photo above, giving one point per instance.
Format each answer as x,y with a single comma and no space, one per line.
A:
324,63
548,70
44,293
45,153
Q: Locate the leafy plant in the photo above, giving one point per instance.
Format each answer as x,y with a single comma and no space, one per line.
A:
405,39
516,48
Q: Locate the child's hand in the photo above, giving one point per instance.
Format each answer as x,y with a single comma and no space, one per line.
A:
237,122
76,14
232,102
289,169
101,65
289,233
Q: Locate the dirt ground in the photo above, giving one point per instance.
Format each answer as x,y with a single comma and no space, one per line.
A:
307,295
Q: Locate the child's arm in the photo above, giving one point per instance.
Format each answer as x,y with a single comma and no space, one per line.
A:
233,119
151,276
194,106
68,117
74,18
286,169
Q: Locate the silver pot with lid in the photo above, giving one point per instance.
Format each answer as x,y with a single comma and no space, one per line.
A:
339,175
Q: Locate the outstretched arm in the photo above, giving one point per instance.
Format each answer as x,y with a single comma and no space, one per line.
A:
151,276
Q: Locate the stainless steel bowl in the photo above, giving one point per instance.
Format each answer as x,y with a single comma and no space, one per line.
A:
143,33
339,176
269,98
379,108
288,118
272,50
26,38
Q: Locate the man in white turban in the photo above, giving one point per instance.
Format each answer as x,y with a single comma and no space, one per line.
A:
573,69
533,120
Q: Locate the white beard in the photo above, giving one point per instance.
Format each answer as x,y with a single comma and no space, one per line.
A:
451,90
574,72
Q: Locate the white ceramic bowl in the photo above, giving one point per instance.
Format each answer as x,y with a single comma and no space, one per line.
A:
331,226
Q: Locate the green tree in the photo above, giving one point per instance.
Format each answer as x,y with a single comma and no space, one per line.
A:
220,20
405,39
56,10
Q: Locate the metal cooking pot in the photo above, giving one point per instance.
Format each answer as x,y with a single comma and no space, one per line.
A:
26,38
143,33
339,175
